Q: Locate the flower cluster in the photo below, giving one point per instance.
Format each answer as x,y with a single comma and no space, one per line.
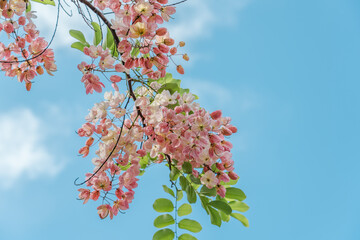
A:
175,129
141,45
26,54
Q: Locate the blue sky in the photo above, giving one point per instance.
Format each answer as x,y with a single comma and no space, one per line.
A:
287,72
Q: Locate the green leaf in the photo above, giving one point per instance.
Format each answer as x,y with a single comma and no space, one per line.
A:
235,193
164,234
184,209
174,173
163,221
98,33
78,35
78,45
194,179
183,183
179,195
215,217
135,51
191,194
222,206
241,218
190,225
28,7
144,161
204,201
187,167
141,172
208,192
224,217
109,41
239,206
46,2
163,205
229,183
172,87
187,236
184,90
168,190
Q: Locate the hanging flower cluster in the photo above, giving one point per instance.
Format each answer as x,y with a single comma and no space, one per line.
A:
145,47
175,129
164,124
154,120
26,54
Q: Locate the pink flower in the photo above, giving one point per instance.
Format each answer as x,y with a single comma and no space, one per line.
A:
104,210
8,27
84,194
166,12
95,195
102,183
209,179
84,151
216,115
92,82
221,191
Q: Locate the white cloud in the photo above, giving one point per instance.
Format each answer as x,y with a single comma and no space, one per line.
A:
46,22
23,153
197,18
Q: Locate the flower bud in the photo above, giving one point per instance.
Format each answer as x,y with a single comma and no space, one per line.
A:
39,70
180,69
186,57
161,31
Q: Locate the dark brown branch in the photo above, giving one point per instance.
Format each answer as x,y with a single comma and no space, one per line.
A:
117,41
103,18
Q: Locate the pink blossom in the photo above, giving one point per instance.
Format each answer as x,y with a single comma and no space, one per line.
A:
84,194
209,179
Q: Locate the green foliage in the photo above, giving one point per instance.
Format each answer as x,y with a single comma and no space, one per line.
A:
239,206
78,36
45,2
204,203
164,221
190,225
230,183
79,45
208,192
184,209
195,180
235,193
241,218
189,189
224,217
179,195
187,236
214,216
191,194
187,168
163,205
168,190
172,85
145,161
82,41
97,33
28,7
222,206
164,234
174,174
